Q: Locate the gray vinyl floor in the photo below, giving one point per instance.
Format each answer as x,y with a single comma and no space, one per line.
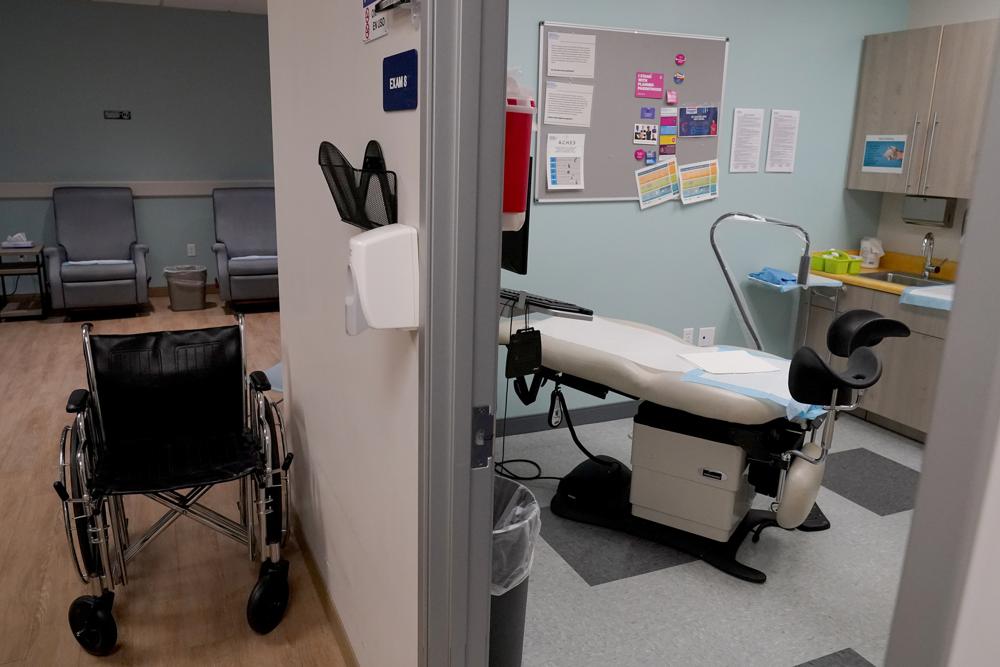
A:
597,597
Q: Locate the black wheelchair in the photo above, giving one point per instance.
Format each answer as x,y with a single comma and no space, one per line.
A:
168,415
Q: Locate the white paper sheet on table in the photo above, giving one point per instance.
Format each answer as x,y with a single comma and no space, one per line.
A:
729,362
568,104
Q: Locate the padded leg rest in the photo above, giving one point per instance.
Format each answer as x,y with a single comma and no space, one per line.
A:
251,288
100,294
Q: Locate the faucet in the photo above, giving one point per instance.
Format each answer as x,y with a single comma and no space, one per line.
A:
927,247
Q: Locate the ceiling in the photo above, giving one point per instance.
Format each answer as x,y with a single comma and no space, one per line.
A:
241,6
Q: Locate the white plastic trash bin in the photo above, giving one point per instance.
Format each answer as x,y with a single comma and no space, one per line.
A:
186,286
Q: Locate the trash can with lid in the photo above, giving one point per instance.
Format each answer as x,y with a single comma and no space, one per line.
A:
516,524
186,286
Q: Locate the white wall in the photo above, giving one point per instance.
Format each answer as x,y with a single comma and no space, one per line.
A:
352,402
925,13
896,235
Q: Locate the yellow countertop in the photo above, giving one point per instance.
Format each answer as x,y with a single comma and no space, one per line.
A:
892,261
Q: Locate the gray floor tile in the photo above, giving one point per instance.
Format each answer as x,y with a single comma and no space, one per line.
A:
876,483
825,591
846,658
600,555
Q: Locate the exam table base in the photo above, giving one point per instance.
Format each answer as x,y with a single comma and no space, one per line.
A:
597,494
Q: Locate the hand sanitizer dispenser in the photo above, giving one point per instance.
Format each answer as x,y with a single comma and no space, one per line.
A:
384,280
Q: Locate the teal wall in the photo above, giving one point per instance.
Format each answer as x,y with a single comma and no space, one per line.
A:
197,84
656,266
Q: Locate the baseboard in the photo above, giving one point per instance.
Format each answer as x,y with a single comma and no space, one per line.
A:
162,290
329,608
592,415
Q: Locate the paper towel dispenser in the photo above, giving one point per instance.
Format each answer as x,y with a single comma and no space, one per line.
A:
383,280
929,211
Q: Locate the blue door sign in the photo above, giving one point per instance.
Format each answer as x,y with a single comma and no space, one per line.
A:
399,81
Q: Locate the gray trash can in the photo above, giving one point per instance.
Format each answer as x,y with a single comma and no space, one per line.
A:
186,286
516,524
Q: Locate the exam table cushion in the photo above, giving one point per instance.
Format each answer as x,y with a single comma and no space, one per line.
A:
640,361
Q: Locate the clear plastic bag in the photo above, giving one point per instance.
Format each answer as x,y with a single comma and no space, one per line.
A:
516,524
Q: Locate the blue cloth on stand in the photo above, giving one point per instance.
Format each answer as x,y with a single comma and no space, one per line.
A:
774,276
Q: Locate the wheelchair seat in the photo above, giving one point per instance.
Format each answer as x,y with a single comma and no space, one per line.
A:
156,462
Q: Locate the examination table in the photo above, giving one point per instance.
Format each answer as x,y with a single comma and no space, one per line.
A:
703,445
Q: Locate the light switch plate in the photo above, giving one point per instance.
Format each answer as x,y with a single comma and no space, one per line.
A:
706,337
191,250
689,335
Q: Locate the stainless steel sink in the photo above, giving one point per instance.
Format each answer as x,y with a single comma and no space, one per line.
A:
908,279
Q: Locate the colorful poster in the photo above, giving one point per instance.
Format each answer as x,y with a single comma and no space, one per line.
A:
645,133
884,153
657,183
564,153
649,85
647,113
699,181
699,121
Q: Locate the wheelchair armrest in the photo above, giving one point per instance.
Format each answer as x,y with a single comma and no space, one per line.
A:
78,401
259,381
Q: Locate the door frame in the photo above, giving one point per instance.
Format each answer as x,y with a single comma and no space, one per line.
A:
464,53
958,467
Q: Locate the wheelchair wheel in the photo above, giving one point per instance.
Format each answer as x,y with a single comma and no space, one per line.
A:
93,625
269,597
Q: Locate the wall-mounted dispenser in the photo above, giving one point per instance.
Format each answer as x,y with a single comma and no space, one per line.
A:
929,211
384,280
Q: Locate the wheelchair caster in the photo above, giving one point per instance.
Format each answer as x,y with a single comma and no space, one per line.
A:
269,597
92,624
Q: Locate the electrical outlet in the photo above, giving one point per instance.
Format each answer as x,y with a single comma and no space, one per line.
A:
706,337
689,335
192,250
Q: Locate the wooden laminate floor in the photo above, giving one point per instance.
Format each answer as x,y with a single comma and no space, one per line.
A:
186,598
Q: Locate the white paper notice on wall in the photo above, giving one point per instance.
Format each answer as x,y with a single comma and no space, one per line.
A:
564,154
568,104
376,24
571,55
781,141
748,130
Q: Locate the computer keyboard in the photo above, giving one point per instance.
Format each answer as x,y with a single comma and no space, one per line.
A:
536,302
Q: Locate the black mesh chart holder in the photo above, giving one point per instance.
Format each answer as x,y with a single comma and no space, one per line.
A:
364,197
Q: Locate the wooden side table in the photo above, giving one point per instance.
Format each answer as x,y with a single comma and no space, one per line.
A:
22,262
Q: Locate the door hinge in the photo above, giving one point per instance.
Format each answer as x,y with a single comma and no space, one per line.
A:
482,436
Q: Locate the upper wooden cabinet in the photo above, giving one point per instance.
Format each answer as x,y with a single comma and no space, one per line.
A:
930,84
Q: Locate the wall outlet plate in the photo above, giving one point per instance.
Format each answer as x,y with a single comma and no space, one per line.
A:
689,335
191,250
706,337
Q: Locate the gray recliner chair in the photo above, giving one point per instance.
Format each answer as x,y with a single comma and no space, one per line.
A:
247,245
98,260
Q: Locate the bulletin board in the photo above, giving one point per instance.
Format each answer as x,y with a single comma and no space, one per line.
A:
609,163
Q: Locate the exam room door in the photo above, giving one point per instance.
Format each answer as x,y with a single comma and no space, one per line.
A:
464,50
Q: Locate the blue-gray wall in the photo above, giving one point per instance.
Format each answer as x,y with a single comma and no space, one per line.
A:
656,266
196,82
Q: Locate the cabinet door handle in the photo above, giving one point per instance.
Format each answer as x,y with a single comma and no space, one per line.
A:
930,151
909,162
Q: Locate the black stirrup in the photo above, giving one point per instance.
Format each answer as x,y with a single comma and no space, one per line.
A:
812,381
861,328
